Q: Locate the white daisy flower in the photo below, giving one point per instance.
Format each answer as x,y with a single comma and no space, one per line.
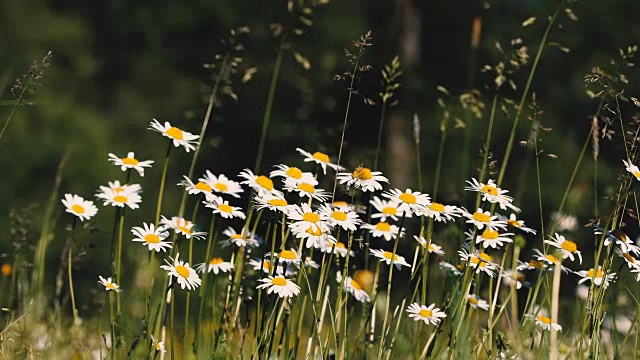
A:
179,136
183,227
78,206
118,188
599,278
261,184
221,184
309,262
480,261
152,237
109,285
431,315
305,190
319,158
342,217
568,248
238,239
158,345
631,261
184,274
344,206
476,302
544,322
386,209
620,238
271,202
433,248
533,264
354,288
339,247
294,174
317,238
408,201
387,256
279,285
492,193
509,276
305,218
513,221
286,256
564,222
363,178
484,218
121,199
632,169
220,206
383,229
130,162
439,212
493,239
265,266
216,265
194,189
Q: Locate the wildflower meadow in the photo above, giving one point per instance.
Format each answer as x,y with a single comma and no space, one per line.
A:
444,223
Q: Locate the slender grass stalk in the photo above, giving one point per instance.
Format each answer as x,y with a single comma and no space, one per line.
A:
555,300
73,298
163,179
119,256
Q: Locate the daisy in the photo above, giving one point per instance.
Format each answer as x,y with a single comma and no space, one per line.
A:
513,221
433,248
279,285
387,256
339,248
476,302
491,238
548,260
183,226
492,193
632,169
439,212
294,174
305,190
194,189
509,276
363,178
564,222
353,287
120,199
265,266
130,162
221,184
79,207
408,201
109,285
343,205
631,261
342,217
617,235
568,248
431,315
118,188
480,261
261,184
158,345
222,207
216,265
186,276
544,322
179,137
309,262
244,238
599,278
319,158
152,237
483,218
317,238
305,218
531,265
287,257
386,209
383,229
271,202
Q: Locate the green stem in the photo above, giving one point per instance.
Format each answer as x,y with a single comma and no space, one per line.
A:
163,180
380,129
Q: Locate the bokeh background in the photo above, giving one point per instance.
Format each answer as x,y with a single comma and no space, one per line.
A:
119,64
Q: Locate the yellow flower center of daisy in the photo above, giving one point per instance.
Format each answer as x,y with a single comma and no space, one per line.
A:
570,246
481,217
278,202
356,285
408,198
130,161
519,277
490,234
362,173
221,187
472,300
339,215
278,281
436,207
389,210
485,256
184,229
478,262
426,313
311,217
513,223
629,258
383,226
6,269
339,203
431,248
322,157
316,232
490,189
225,208
182,271
535,264
78,208
203,186
340,245
118,189
158,346
152,238
389,255
295,173
288,254
216,261
110,286
308,188
544,319
591,271
175,133
266,264
636,174
236,236
264,182
120,199
552,258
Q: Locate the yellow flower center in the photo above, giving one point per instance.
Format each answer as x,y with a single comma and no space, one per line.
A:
485,256
322,157
266,264
120,198
339,203
356,285
6,269
216,261
636,174
362,173
383,226
78,209
130,161
389,255
184,229
221,187
478,262
552,258
544,319
340,245
175,133
426,313
535,264
279,281
295,173
490,189
490,234
158,346
311,217
629,258
570,246
408,198
316,232
481,217
225,208
472,300
590,273
436,207
265,182
203,186
278,202
236,236
152,238
110,286
288,254
308,188
513,223
431,248
389,210
118,189
519,277
339,215
182,271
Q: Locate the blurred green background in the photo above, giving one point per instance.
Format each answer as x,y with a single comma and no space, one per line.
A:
118,64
